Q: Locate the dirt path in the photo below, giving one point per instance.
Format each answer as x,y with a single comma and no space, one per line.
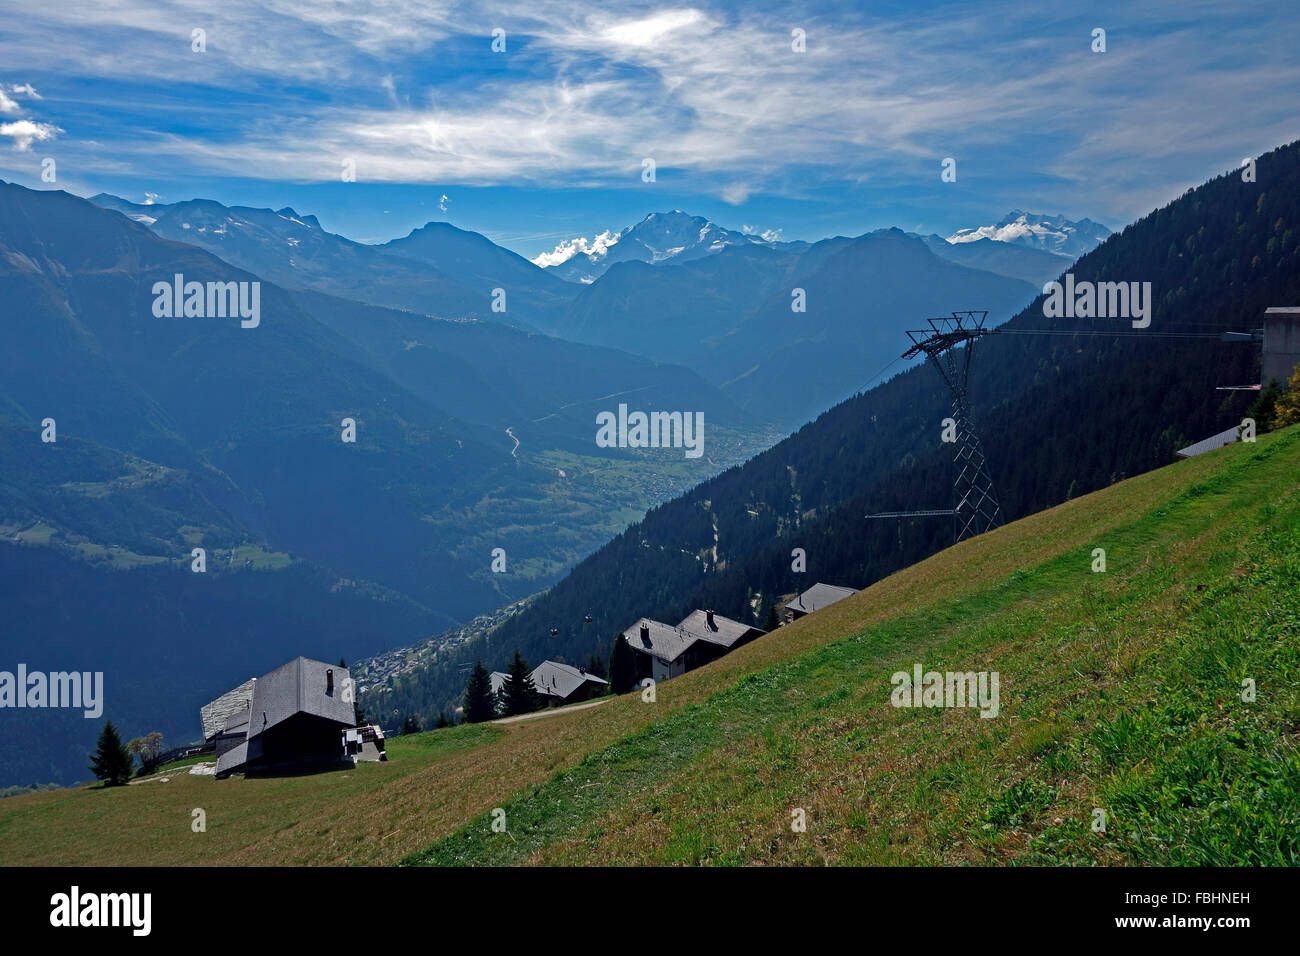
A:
549,712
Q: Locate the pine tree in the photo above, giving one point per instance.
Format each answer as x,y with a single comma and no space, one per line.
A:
773,618
479,703
443,721
111,761
622,667
519,695
596,666
411,724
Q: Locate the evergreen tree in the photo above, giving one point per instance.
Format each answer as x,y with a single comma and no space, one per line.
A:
479,703
111,761
1265,406
443,721
773,618
622,667
519,696
411,724
596,666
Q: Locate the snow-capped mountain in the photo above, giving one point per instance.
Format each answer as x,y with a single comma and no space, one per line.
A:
659,237
1048,233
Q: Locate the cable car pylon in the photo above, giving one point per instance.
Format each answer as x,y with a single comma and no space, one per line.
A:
977,509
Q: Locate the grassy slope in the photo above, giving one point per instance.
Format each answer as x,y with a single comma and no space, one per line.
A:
1118,690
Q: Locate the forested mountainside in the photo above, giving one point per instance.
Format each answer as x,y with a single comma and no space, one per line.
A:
1059,414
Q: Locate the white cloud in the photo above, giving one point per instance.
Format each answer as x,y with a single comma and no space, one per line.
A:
7,105
735,194
442,203
25,132
580,246
651,30
714,93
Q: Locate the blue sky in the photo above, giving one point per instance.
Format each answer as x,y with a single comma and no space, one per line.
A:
545,141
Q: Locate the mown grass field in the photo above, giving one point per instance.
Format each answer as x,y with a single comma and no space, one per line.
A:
1119,691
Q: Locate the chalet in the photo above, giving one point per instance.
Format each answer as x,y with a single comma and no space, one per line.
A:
817,597
498,681
664,651
719,630
561,684
295,714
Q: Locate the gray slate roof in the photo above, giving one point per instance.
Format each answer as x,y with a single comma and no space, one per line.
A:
819,596
665,641
561,680
498,680
724,631
1209,444
215,714
299,687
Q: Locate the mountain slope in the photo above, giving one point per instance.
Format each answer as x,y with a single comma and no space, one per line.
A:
1120,691
176,433
730,316
1201,585
1003,258
1059,415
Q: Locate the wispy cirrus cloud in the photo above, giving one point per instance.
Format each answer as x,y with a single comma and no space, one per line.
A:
412,92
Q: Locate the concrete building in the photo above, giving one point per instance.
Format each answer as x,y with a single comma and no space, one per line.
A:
1281,344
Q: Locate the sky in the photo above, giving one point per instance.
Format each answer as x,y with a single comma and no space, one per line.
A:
546,141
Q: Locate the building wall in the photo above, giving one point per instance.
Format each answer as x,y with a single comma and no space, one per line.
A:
1281,347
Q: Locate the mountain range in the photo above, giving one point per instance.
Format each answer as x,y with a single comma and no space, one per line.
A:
1054,234
196,432
675,288
1059,415
474,427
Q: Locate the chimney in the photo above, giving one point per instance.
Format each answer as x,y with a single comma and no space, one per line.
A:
708,616
329,680
645,634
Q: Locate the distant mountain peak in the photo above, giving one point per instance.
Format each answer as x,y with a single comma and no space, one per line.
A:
675,236
1054,234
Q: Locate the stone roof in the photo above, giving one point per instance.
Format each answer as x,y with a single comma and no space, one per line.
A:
819,596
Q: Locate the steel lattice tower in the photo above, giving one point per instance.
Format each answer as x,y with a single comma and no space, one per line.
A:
977,508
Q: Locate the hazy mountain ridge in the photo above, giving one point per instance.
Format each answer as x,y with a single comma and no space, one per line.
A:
175,433
1059,416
